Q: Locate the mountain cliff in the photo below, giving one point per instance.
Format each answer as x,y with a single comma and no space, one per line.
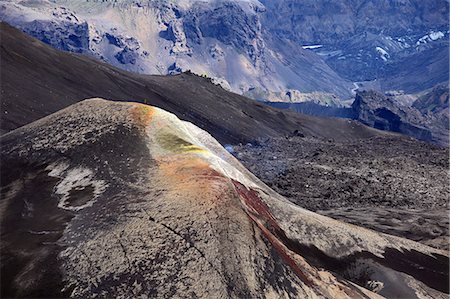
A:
426,119
219,39
401,44
273,47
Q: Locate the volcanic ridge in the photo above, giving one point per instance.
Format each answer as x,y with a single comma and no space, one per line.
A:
124,199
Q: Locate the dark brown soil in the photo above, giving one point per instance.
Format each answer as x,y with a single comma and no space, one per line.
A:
394,185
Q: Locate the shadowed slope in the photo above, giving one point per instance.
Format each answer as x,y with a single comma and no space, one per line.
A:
123,199
38,80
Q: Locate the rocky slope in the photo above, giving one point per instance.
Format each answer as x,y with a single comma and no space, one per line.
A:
423,116
38,80
434,104
316,21
317,109
220,39
123,199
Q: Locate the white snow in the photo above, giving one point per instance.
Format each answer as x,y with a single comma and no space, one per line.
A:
432,36
436,35
383,53
311,47
353,90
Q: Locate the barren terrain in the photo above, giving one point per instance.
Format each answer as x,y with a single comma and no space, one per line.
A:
394,185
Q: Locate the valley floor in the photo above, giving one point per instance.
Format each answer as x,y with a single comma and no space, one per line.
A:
394,186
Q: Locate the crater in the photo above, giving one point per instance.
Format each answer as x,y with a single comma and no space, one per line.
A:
80,196
77,188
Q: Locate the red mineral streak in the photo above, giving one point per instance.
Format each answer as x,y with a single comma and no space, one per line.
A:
259,212
193,177
255,205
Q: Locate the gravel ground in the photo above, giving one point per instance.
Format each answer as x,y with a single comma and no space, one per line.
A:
390,184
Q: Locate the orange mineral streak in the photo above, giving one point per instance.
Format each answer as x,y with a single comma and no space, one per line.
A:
142,115
190,175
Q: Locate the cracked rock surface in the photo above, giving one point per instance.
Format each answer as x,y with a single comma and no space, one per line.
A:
109,199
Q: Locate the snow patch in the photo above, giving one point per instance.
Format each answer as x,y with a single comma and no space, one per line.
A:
436,35
432,36
311,47
383,53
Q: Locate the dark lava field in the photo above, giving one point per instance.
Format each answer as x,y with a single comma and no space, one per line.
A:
390,184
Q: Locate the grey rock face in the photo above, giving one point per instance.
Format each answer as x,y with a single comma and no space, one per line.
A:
231,25
434,102
327,22
66,36
382,112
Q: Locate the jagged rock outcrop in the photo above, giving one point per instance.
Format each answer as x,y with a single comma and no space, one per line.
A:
435,101
382,112
124,199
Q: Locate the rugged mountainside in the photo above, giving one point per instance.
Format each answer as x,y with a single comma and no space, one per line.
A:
354,16
403,44
384,113
38,80
220,39
264,49
434,102
126,200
